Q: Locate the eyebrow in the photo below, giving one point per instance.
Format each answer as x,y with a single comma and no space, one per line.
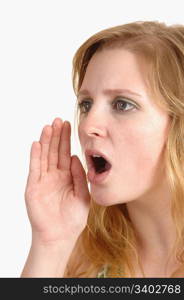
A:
109,92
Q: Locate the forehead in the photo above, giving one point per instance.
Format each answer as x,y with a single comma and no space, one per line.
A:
114,69
114,59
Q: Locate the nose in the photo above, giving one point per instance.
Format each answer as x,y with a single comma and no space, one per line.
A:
94,126
95,131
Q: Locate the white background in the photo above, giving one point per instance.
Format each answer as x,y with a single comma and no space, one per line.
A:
38,39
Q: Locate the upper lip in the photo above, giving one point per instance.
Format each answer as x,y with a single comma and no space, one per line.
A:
90,152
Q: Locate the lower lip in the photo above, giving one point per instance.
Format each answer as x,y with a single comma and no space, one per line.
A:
96,178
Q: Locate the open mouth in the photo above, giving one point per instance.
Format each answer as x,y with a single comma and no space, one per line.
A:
100,164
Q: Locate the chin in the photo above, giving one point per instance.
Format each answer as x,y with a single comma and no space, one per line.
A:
108,198
103,200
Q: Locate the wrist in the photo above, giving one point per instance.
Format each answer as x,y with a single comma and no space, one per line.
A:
48,259
44,243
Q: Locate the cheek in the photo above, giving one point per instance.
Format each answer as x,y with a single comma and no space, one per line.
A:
141,150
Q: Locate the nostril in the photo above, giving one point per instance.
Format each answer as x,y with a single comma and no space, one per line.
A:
93,133
96,131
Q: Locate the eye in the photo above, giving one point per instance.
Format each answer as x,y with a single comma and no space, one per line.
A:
82,106
122,104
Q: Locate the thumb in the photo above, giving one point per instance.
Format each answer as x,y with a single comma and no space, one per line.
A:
79,178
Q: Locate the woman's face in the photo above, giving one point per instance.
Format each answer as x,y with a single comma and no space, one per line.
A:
131,130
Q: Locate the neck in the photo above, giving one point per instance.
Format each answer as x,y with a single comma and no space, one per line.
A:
154,227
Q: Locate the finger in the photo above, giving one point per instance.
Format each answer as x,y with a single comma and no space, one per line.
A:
45,142
79,179
54,144
34,166
65,147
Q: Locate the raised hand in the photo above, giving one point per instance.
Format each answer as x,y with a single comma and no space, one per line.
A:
57,196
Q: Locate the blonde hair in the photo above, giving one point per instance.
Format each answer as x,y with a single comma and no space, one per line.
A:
109,237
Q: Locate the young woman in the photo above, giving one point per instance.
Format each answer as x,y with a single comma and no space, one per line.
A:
129,84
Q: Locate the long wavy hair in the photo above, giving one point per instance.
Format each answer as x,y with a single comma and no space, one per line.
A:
109,237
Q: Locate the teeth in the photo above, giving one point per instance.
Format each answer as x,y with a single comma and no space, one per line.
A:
95,155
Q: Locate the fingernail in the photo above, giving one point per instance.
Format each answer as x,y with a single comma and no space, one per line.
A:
55,124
